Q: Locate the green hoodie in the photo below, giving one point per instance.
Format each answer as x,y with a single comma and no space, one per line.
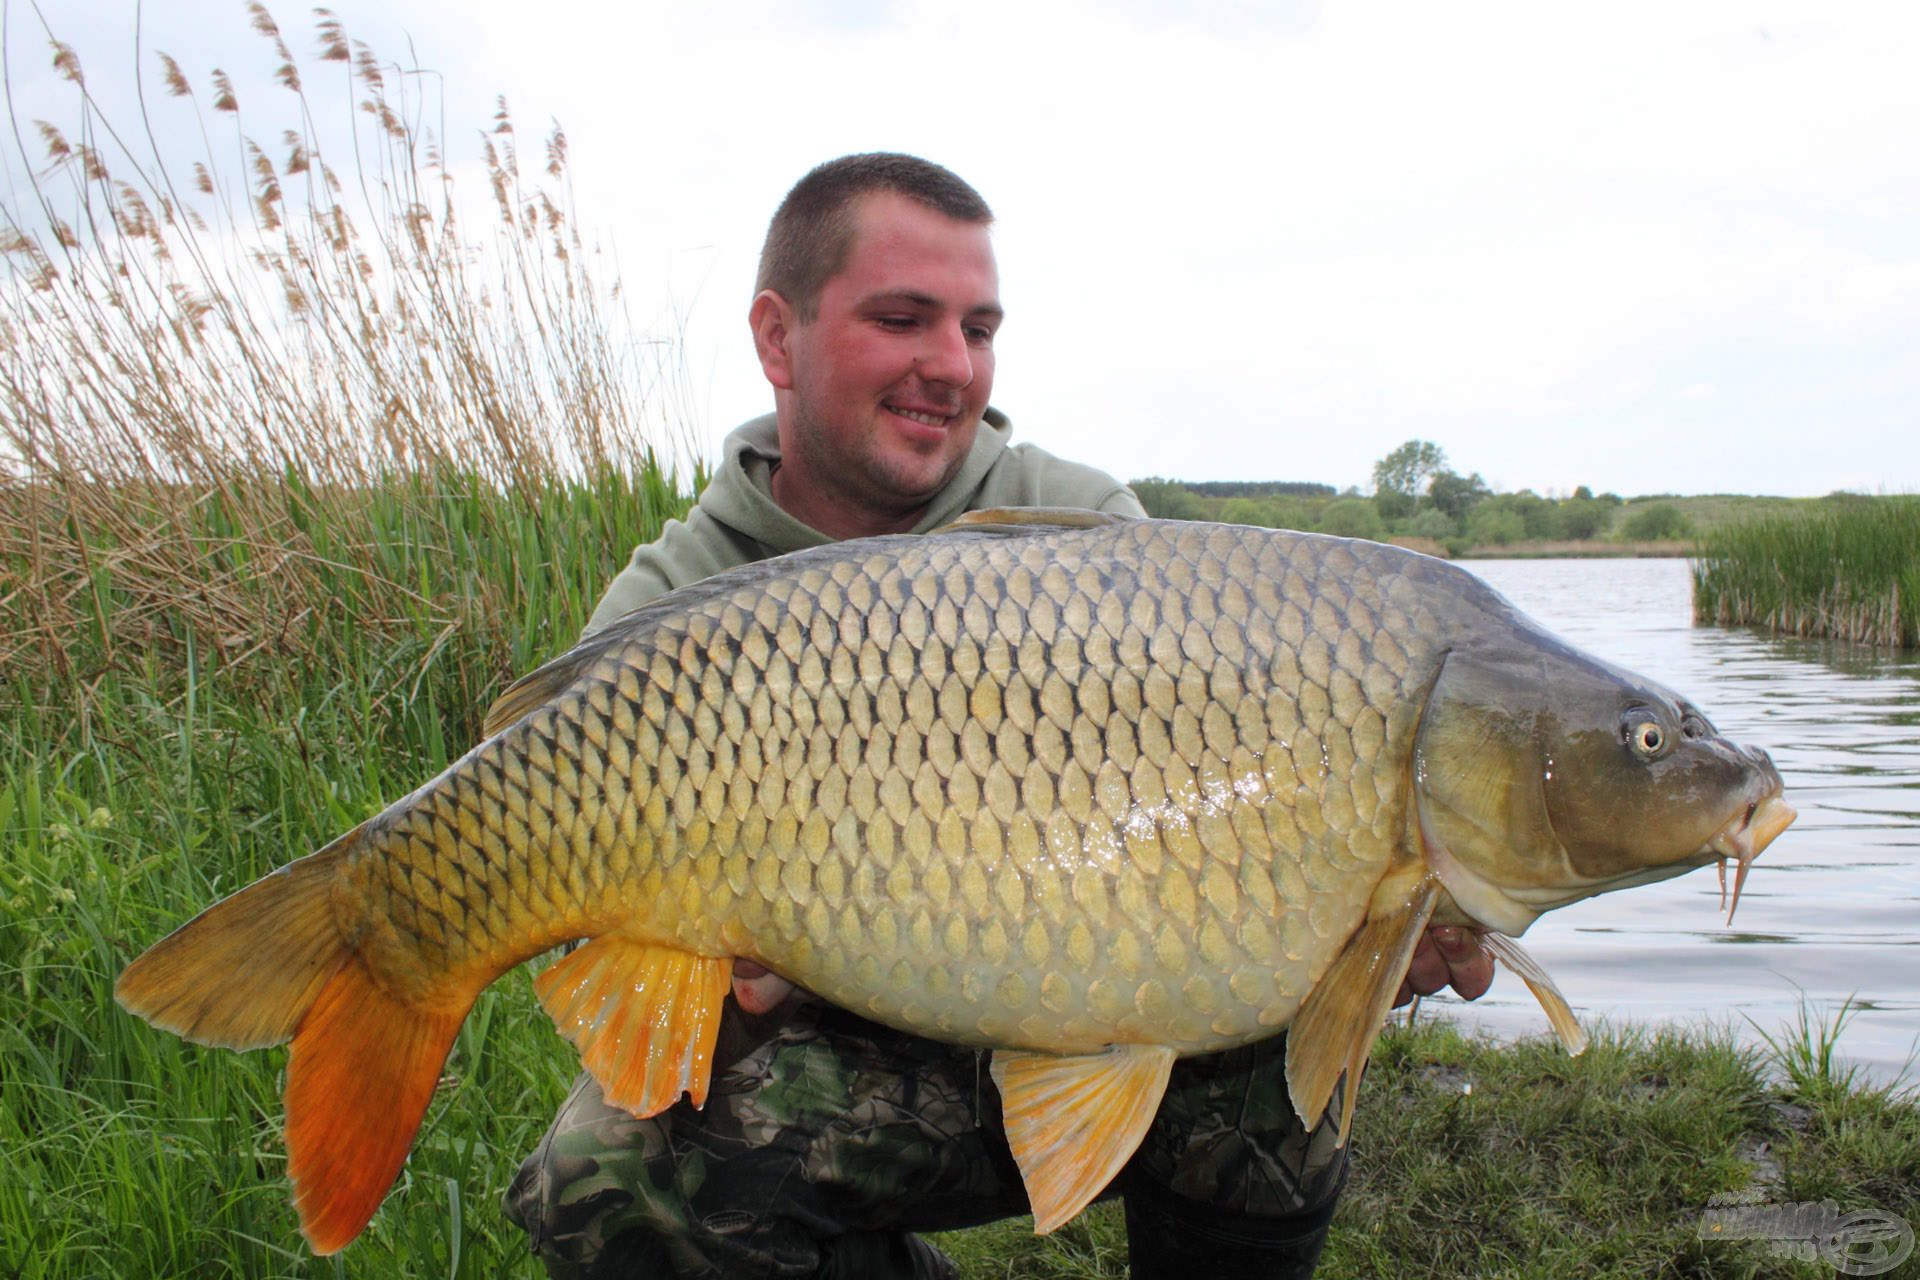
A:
737,521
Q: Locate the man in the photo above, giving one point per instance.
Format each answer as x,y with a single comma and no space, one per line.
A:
826,1138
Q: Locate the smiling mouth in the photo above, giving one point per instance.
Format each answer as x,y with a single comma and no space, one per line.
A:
922,417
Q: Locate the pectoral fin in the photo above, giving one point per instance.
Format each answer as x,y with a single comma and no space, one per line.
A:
643,1016
1073,1122
1509,952
1335,1029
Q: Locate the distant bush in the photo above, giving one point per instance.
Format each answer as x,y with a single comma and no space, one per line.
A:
1393,504
1248,511
1434,524
1584,518
1259,488
1488,523
1539,516
1168,499
1456,494
1657,523
1353,518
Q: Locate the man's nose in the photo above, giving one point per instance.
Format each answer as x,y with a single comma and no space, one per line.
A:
947,358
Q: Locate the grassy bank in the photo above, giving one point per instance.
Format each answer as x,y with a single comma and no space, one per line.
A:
148,776
1847,569
1474,1160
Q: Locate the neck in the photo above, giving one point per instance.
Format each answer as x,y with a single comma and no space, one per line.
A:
813,503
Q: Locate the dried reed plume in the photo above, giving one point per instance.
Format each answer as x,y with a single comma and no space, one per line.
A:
269,405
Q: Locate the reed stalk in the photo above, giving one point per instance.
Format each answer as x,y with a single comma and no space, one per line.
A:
287,408
1849,569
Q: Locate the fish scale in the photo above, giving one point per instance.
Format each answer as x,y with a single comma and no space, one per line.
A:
970,751
1090,793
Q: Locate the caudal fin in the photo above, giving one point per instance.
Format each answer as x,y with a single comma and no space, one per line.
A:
242,973
269,964
362,1070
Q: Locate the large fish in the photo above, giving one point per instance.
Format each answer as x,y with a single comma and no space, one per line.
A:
1094,794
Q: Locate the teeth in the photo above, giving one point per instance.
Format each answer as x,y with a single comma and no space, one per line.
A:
930,419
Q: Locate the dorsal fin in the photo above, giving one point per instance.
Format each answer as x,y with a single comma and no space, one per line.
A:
538,687
1028,519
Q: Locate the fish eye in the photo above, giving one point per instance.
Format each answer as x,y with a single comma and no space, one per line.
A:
1644,734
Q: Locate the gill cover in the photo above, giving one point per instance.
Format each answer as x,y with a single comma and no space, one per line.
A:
1481,811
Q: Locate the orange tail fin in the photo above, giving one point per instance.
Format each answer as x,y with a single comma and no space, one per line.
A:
270,963
361,1073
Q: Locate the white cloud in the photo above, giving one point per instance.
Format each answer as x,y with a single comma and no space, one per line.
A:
1529,232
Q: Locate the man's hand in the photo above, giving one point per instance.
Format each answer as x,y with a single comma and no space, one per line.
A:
757,988
1448,956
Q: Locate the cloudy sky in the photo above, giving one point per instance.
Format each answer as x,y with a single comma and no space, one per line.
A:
1644,247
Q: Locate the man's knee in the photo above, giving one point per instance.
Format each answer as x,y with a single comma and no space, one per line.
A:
828,1132
585,1184
1166,1233
1228,1172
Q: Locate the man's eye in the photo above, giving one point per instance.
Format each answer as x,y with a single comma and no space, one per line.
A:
898,324
979,335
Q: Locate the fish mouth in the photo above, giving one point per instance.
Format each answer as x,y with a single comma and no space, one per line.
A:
1742,839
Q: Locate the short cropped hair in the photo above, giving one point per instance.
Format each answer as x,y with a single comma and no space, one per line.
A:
812,231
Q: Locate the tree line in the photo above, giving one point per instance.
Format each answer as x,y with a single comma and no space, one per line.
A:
1417,494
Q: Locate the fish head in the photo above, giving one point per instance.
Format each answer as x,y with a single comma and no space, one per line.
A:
1543,776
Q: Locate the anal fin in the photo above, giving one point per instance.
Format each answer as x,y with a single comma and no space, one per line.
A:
1074,1121
1340,1019
644,1017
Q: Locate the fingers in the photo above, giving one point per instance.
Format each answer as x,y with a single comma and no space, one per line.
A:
756,988
1469,965
1427,974
1447,956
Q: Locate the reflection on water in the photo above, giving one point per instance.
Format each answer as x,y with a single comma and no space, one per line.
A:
1832,908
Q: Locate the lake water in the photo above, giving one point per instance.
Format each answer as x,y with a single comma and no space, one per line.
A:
1830,910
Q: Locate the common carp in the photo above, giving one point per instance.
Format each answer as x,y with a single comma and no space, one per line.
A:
1094,794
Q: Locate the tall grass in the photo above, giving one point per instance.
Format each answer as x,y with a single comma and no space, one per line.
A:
298,464
1848,569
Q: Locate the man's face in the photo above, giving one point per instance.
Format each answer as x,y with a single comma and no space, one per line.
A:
887,383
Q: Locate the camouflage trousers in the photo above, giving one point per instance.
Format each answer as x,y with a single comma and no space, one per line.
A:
826,1138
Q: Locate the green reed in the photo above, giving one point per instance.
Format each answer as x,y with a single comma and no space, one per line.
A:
291,483
1849,568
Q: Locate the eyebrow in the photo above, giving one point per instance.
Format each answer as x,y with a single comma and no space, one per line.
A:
913,297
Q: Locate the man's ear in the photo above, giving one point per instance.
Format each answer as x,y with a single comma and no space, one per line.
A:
773,322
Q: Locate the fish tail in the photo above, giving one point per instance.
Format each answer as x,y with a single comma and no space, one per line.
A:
362,1069
272,963
244,972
